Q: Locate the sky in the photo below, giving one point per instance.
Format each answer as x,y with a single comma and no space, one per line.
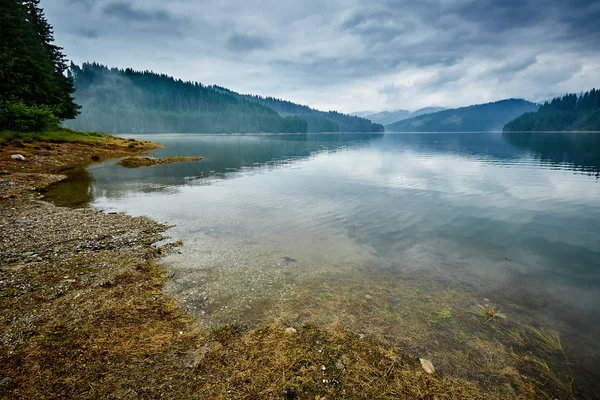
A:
346,55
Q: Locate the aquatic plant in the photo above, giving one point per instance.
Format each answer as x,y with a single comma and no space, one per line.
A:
550,341
487,311
444,315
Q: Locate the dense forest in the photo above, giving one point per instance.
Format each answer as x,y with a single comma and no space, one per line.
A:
127,101
35,93
318,121
476,118
117,101
568,113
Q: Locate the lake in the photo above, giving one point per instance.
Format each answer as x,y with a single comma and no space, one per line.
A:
412,238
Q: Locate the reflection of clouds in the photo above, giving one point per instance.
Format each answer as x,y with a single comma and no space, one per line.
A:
503,184
411,202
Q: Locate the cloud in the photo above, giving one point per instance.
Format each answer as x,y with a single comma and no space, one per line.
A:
346,54
247,42
126,11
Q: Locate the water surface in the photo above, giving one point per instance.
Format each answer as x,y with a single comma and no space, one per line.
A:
383,233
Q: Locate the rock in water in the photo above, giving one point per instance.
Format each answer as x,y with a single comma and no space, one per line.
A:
18,157
427,365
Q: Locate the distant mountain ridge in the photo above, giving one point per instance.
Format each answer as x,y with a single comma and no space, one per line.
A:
318,121
571,112
388,117
481,117
127,101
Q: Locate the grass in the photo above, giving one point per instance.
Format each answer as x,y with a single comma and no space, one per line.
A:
549,341
57,136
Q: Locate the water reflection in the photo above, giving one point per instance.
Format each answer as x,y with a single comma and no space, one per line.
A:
381,232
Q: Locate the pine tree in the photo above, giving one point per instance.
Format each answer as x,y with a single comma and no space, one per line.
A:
34,90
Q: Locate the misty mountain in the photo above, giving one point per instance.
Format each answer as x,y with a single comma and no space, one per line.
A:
126,101
568,113
426,110
480,117
388,117
318,121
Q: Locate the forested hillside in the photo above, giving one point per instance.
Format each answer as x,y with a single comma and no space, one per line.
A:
318,121
119,101
568,113
481,117
34,92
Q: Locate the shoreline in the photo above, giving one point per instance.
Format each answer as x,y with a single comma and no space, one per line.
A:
84,314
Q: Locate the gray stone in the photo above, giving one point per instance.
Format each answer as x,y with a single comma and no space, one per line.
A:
5,381
23,221
18,157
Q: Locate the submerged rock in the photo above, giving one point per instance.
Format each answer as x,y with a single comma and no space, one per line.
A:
427,365
136,162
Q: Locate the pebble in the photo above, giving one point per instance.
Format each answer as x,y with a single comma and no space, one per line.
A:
5,381
18,157
23,221
290,330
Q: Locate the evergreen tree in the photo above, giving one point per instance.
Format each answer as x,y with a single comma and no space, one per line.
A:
34,92
568,113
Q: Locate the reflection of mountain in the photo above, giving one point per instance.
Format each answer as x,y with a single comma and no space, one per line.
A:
224,157
580,150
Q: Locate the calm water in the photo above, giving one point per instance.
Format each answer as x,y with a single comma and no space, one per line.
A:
377,232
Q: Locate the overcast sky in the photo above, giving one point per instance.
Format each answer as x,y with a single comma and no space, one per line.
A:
346,55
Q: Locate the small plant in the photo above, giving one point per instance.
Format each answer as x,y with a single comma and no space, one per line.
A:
549,341
444,315
487,311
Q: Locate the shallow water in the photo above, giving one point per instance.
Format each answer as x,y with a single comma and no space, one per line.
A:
381,233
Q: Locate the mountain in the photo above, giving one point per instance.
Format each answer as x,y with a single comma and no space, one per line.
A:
318,121
426,110
481,117
127,101
388,117
568,113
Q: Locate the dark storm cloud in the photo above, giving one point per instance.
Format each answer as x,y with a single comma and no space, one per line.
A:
347,54
244,42
126,11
